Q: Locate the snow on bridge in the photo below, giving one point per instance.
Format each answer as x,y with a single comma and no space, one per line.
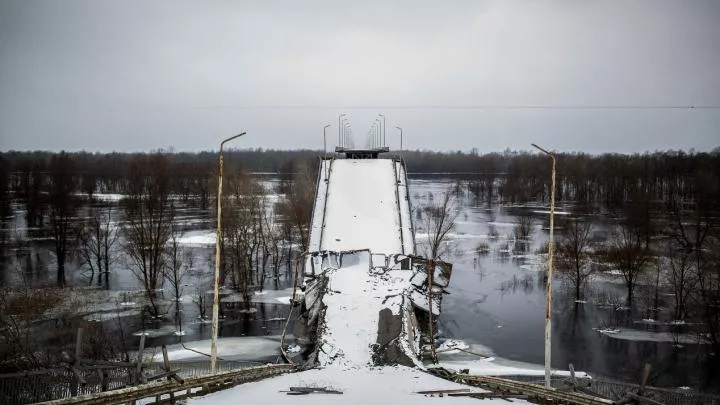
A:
362,204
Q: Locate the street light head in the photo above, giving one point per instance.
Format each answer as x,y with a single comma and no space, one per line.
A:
231,138
542,150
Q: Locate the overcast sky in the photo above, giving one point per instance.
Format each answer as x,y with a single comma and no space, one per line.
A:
139,75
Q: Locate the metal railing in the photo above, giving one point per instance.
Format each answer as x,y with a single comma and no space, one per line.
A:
617,390
63,383
174,391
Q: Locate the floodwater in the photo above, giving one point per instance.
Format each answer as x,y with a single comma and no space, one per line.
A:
496,299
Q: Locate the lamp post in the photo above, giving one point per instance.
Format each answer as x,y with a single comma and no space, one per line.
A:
325,148
548,294
216,287
377,132
340,130
383,129
325,139
401,139
346,134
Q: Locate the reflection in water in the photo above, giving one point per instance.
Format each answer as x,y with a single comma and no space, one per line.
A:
497,297
525,283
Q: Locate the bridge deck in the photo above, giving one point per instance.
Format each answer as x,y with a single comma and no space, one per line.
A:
363,205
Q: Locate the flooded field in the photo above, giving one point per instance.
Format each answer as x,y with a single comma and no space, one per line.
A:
495,304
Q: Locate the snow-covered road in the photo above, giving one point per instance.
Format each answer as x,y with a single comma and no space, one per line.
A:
365,207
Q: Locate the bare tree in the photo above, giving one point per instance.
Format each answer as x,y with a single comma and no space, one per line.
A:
149,215
88,183
202,282
574,250
523,225
179,261
683,278
31,192
63,208
707,296
694,256
4,187
273,239
628,253
276,240
439,220
241,239
298,202
201,300
97,239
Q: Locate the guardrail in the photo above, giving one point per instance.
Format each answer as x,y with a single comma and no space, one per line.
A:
618,390
171,391
574,398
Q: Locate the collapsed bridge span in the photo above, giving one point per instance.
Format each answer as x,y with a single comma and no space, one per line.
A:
368,299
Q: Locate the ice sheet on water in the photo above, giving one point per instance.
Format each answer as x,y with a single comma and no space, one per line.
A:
650,336
265,297
490,365
106,316
231,348
198,238
152,333
547,212
106,196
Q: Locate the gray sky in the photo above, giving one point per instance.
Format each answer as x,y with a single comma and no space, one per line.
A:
138,75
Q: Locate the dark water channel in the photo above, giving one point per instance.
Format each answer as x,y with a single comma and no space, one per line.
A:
496,299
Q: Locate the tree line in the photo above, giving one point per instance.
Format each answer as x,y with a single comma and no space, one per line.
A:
607,179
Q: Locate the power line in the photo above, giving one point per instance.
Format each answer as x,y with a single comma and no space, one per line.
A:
468,107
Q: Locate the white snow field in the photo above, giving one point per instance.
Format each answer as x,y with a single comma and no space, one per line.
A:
362,206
